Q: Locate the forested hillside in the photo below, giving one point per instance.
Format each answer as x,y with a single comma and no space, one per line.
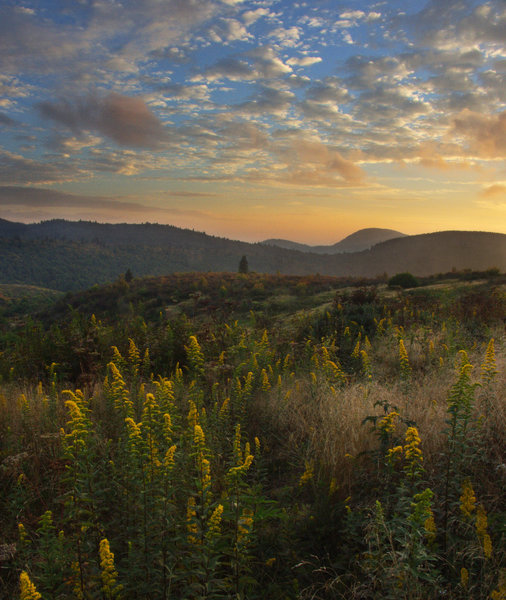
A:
74,255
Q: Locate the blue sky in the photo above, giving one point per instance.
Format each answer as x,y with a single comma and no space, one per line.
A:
255,119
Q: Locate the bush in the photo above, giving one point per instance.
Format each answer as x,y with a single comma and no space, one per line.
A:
403,280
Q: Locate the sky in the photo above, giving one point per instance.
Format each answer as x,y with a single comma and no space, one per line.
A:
255,119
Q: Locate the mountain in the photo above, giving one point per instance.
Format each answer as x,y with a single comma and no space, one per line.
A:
64,255
356,242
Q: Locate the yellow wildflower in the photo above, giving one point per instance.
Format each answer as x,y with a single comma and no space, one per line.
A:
191,522
215,523
308,473
28,590
198,436
109,574
244,525
464,577
387,423
168,461
412,452
468,499
481,530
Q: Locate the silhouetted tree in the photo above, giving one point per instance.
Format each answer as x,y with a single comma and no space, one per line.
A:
243,265
128,276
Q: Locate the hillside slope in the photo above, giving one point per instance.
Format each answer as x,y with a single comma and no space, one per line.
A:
101,253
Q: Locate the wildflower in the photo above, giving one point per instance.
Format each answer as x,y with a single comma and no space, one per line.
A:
404,360
412,453
167,427
237,444
393,454
193,415
481,530
109,574
28,590
195,356
133,355
23,536
168,461
215,523
244,525
387,423
191,524
241,468
308,473
464,577
488,368
198,436
224,407
468,499
266,386
500,592
205,473
430,527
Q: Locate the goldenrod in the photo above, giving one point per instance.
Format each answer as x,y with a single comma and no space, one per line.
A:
468,499
28,589
109,574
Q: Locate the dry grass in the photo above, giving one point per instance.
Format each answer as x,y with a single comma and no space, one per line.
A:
314,422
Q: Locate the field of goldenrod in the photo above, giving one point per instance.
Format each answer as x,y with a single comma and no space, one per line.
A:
255,437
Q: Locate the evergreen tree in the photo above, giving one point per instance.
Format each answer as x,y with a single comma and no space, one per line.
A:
243,265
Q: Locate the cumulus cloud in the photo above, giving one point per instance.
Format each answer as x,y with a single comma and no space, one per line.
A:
304,61
261,63
485,134
16,169
251,16
228,30
269,101
125,120
286,36
310,162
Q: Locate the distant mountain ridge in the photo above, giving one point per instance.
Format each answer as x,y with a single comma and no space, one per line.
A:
67,255
363,239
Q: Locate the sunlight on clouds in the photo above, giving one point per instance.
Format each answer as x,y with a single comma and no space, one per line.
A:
376,109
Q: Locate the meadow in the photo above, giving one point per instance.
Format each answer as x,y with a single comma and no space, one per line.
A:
207,436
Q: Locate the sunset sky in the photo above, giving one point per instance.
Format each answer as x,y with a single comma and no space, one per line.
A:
254,119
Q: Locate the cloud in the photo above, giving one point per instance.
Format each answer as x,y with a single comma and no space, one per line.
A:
6,120
251,16
304,61
286,36
228,30
28,203
497,189
485,134
125,120
265,64
389,104
16,169
230,68
303,161
269,101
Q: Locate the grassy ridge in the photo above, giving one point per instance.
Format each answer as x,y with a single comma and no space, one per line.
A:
256,436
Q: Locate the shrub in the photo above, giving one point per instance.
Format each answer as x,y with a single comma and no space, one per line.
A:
403,280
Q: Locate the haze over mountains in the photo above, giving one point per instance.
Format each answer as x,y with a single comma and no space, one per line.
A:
69,255
356,242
